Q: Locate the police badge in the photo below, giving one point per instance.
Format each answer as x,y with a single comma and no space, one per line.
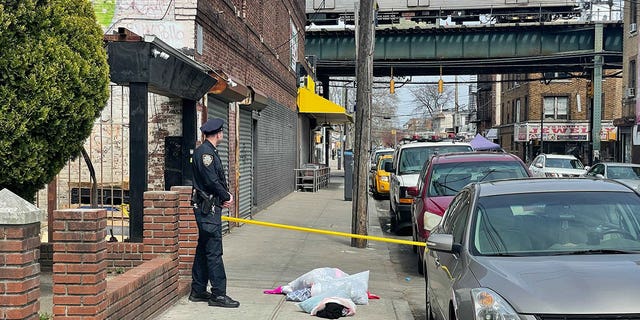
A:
207,159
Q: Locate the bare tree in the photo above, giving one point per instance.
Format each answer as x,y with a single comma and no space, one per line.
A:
428,100
384,108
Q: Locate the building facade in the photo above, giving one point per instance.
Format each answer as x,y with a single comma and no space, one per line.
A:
560,104
253,49
629,122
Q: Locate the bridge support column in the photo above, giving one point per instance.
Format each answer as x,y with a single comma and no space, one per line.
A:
596,115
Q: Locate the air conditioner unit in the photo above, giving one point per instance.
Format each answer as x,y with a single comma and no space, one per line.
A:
633,27
631,92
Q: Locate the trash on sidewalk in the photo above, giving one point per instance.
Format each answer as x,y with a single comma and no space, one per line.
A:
327,292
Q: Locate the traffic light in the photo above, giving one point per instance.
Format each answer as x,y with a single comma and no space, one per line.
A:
392,86
440,86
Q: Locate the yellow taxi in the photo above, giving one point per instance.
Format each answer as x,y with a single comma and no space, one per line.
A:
381,178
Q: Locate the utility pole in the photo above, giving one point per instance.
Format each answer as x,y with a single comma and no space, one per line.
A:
364,78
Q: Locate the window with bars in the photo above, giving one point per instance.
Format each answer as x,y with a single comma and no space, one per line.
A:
556,108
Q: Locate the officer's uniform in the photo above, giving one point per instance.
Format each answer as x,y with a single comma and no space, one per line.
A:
210,191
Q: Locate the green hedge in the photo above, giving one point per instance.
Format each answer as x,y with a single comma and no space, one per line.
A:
54,82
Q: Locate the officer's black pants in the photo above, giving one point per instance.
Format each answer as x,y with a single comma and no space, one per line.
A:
207,264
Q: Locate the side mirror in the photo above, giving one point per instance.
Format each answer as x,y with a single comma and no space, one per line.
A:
599,176
440,242
388,167
413,191
586,168
538,165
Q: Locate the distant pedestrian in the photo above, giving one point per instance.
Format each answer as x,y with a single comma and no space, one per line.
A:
210,195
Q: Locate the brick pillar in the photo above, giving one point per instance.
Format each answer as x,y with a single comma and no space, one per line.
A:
160,235
188,232
19,254
79,264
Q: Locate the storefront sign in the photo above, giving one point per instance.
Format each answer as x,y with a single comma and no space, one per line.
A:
559,131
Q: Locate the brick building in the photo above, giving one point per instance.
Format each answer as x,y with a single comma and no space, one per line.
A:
255,51
629,122
566,122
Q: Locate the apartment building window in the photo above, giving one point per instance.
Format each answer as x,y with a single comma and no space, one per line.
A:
556,108
632,76
633,12
517,112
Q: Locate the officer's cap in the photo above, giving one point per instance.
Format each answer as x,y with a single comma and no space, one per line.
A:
212,126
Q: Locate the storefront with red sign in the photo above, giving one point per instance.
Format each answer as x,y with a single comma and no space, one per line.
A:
563,138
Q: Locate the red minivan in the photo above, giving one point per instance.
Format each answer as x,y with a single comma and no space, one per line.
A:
444,175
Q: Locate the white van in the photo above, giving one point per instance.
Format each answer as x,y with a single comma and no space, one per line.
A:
407,162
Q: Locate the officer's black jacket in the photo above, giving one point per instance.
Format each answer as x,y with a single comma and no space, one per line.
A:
208,172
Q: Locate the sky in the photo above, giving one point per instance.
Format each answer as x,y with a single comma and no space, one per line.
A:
406,104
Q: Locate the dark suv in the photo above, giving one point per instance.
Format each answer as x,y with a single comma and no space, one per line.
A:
444,175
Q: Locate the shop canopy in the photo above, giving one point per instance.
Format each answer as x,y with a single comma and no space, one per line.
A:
325,111
481,143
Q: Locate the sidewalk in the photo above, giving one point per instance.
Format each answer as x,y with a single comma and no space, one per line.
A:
258,258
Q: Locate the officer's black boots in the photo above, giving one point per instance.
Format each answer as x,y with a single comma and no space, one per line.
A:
223,301
199,297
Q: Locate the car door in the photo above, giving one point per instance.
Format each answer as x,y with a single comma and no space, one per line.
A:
535,170
444,266
417,207
596,170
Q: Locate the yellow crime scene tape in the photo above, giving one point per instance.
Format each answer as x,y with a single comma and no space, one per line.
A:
320,231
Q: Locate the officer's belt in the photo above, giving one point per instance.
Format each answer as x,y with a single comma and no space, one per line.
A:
205,200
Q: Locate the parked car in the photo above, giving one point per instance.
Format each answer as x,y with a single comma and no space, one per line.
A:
408,160
627,173
444,175
375,158
556,166
381,178
536,249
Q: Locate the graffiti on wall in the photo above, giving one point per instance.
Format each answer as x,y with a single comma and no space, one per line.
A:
155,17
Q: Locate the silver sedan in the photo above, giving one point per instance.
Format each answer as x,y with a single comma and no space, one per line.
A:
536,249
627,173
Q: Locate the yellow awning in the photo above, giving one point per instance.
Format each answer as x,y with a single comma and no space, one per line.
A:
325,111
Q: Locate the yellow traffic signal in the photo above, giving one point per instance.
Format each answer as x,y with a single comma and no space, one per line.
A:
440,86
590,89
392,86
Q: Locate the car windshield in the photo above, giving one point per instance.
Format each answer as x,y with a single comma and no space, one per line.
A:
620,172
449,178
380,154
554,223
383,162
412,159
564,163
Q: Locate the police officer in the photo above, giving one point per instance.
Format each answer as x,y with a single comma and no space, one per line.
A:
210,195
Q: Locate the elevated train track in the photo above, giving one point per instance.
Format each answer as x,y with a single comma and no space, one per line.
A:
482,49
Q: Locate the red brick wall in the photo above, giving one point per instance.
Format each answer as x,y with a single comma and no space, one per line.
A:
79,266
19,271
188,233
146,292
125,255
252,45
80,287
